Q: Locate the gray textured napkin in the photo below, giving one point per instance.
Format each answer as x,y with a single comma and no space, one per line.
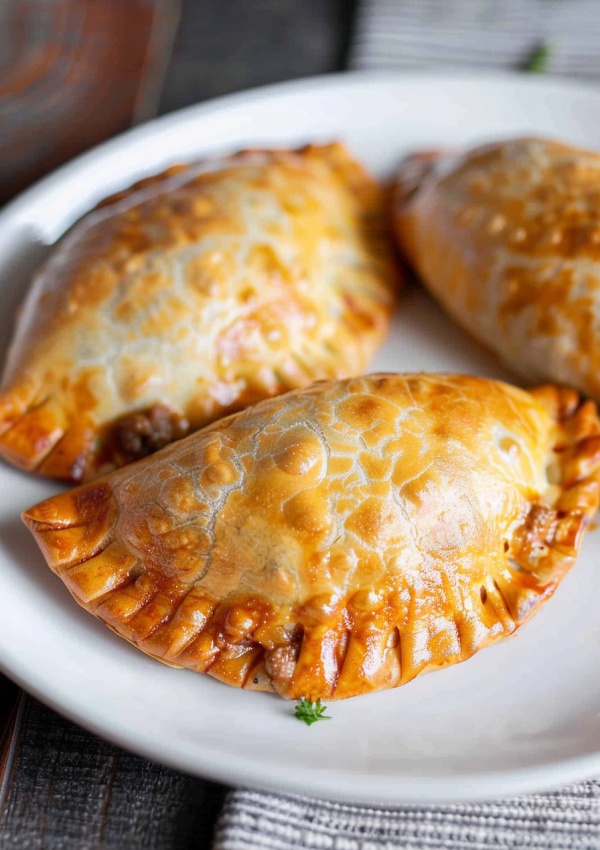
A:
478,34
568,819
412,34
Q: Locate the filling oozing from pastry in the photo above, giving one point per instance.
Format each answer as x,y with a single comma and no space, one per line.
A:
194,294
340,539
138,434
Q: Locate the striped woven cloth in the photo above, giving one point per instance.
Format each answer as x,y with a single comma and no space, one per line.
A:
412,34
567,819
481,34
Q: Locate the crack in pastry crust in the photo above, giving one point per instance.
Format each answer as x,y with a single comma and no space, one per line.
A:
507,238
340,539
196,293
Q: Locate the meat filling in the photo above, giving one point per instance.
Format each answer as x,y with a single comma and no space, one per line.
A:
145,431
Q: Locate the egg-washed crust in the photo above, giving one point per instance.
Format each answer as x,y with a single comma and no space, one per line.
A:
337,540
191,295
507,238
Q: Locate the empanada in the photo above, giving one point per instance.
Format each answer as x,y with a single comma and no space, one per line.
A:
189,296
339,539
508,240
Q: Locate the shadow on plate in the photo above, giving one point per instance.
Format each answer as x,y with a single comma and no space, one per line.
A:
22,549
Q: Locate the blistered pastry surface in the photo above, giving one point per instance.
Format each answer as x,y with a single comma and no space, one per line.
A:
508,239
196,292
339,539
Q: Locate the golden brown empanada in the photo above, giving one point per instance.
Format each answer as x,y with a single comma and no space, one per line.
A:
189,296
508,240
340,539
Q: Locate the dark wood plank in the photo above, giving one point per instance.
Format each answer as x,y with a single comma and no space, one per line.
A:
71,790
12,702
223,47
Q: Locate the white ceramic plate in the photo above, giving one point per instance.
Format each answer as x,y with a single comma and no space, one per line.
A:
519,716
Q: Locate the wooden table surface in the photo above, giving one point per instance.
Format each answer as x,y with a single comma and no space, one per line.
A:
60,787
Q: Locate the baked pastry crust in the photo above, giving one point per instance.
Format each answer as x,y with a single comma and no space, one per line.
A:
340,539
191,295
507,238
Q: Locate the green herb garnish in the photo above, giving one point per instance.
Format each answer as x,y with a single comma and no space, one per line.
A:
310,712
538,63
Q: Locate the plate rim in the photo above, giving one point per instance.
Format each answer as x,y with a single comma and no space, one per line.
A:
326,784
228,767
519,79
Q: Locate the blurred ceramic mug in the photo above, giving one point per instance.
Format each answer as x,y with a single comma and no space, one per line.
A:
73,73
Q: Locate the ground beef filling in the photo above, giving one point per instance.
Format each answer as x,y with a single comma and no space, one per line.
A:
145,431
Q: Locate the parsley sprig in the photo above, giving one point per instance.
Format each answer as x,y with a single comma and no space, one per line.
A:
540,59
310,712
